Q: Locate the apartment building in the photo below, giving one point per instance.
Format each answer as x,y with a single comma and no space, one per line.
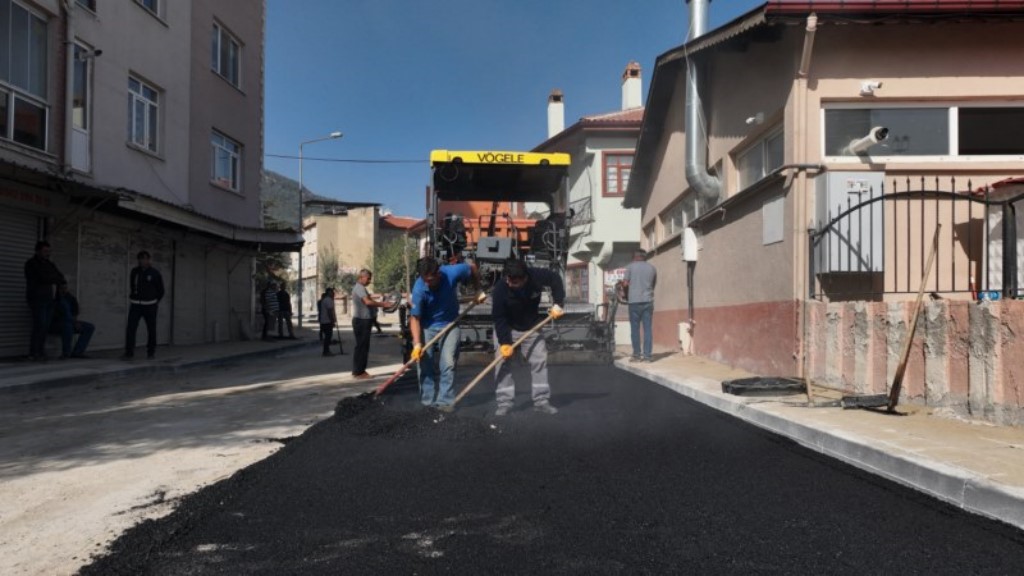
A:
129,125
603,234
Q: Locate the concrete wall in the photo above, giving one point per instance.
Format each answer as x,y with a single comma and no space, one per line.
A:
965,356
207,283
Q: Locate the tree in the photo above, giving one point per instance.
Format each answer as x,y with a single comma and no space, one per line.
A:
328,268
389,266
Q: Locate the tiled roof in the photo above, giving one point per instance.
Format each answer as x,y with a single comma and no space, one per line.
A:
399,222
618,116
892,6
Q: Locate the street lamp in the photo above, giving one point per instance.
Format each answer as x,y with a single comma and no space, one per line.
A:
331,136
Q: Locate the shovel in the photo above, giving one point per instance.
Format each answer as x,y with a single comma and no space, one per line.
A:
500,358
437,337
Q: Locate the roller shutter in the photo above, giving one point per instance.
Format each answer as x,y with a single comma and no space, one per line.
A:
18,234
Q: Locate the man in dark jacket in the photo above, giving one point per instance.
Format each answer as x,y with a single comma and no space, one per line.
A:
146,289
284,313
67,324
515,309
41,279
270,308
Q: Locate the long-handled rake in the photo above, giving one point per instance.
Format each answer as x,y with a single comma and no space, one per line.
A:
437,337
499,359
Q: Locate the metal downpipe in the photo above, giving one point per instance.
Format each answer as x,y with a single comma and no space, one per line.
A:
707,186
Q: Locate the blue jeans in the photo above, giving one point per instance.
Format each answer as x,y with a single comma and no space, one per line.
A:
85,330
440,357
641,312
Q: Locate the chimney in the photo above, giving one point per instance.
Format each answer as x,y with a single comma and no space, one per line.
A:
556,113
631,86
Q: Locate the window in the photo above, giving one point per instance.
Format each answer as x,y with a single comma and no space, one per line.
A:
225,56
90,4
23,72
760,159
151,5
617,167
143,108
990,131
650,236
912,131
80,89
227,159
577,283
672,220
922,131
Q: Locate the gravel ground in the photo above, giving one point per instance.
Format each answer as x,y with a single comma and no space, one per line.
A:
628,478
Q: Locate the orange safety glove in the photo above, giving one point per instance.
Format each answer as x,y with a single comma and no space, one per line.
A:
481,297
556,312
417,352
507,350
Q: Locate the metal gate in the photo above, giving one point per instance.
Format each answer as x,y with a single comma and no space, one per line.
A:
18,234
879,245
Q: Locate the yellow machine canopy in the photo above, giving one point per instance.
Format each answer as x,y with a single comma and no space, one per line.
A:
498,175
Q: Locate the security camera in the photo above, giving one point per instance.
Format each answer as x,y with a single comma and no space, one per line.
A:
875,135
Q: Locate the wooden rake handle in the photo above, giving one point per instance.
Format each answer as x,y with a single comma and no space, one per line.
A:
897,381
405,367
500,358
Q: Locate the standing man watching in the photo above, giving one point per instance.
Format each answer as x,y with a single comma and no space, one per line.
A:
270,308
640,280
284,313
146,289
516,301
327,318
362,323
41,280
435,305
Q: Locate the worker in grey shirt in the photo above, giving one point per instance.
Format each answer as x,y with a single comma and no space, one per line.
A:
362,323
639,280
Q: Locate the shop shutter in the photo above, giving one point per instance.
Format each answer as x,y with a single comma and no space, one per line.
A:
18,235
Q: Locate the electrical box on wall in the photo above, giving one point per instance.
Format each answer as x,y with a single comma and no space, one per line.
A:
854,243
689,244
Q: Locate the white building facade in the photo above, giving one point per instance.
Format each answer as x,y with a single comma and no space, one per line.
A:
127,126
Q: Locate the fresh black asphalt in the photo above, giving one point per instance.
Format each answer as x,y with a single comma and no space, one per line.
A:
629,478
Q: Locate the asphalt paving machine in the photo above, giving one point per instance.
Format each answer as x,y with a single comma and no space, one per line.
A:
474,200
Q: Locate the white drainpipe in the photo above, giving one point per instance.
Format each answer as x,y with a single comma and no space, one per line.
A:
707,185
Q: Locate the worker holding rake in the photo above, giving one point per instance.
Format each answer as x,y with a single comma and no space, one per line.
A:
515,309
435,311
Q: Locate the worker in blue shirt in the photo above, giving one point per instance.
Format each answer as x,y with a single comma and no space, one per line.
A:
515,309
435,305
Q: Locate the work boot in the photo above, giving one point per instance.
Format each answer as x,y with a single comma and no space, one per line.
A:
501,411
544,408
446,408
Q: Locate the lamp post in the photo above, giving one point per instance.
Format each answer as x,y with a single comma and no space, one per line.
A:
331,136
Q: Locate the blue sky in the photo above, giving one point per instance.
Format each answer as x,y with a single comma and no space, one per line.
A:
402,77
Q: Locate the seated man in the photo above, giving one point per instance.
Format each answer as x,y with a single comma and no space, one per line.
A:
67,324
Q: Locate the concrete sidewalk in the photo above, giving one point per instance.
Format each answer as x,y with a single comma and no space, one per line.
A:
975,466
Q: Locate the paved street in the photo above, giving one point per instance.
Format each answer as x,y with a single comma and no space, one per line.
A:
628,478
81,463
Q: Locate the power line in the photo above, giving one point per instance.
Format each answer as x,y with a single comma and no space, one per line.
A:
346,160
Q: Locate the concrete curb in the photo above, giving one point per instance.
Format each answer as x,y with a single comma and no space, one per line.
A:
966,490
87,376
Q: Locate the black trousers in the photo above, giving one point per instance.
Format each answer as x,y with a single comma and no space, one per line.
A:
325,336
146,312
361,328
